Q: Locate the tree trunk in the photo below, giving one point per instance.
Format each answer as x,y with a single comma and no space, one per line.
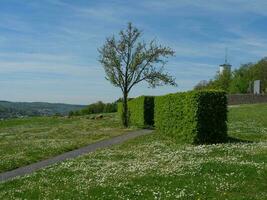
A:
125,116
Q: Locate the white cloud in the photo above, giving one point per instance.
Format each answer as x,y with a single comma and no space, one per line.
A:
41,67
47,63
22,56
108,12
230,6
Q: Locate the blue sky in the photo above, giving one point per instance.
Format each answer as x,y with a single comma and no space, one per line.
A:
48,48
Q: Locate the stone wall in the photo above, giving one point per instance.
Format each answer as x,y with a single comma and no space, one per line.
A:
235,99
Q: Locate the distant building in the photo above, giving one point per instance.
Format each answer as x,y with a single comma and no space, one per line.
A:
257,87
226,65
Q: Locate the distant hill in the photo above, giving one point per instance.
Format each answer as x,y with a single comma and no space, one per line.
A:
23,109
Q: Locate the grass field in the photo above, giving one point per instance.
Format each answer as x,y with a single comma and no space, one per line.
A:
28,140
154,167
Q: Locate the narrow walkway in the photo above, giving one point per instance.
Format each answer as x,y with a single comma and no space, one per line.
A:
71,154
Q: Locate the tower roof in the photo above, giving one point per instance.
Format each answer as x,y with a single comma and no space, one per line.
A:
226,65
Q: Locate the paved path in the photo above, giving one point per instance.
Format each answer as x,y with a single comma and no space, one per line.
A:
71,154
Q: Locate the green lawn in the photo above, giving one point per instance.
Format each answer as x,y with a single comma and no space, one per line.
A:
154,167
28,140
248,122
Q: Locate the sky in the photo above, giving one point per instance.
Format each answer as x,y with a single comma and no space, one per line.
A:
48,48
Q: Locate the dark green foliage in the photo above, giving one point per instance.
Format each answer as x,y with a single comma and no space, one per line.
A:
259,72
110,108
193,117
223,81
94,108
141,111
242,80
220,82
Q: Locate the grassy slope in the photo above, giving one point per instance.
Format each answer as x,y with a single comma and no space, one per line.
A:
152,167
28,140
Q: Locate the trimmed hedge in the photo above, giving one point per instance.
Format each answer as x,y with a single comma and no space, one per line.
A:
141,111
193,117
119,111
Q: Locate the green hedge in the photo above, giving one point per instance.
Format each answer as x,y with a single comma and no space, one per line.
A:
193,117
141,111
